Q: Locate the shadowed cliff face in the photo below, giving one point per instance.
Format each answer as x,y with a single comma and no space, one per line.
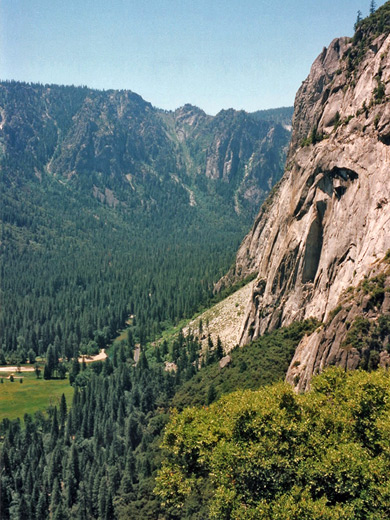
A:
328,220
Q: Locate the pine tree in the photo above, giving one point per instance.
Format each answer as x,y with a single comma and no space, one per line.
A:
54,428
56,497
372,7
63,412
55,465
68,429
61,513
46,372
130,340
210,349
72,477
108,368
358,20
74,371
102,498
95,492
143,361
37,370
219,349
61,369
42,506
200,327
164,348
51,362
133,436
31,356
5,497
83,504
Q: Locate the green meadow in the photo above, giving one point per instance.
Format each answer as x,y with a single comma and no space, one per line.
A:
17,399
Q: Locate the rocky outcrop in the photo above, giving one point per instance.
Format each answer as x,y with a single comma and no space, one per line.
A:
328,221
238,151
356,334
188,119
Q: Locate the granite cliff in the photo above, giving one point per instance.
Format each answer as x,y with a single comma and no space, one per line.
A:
327,223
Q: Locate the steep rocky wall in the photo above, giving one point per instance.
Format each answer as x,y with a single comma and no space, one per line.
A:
233,147
356,334
328,221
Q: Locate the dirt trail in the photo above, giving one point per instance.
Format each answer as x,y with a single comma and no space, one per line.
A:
16,369
90,359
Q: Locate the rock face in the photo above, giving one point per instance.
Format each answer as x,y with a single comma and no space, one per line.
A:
356,334
328,220
242,151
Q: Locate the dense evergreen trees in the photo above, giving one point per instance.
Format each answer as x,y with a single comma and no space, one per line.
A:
268,455
98,458
64,287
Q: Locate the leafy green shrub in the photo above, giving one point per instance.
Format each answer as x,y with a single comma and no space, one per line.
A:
333,313
375,287
379,92
274,454
337,120
313,138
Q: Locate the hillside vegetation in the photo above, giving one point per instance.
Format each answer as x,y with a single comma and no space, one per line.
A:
99,457
272,454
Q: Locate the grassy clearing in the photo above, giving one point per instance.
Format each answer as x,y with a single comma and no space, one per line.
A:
32,395
122,336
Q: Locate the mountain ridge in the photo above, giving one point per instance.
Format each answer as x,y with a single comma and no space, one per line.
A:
115,137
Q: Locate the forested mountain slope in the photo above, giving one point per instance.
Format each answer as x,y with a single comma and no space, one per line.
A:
327,223
111,207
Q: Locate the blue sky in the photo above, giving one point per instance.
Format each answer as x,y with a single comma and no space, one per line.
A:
250,54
